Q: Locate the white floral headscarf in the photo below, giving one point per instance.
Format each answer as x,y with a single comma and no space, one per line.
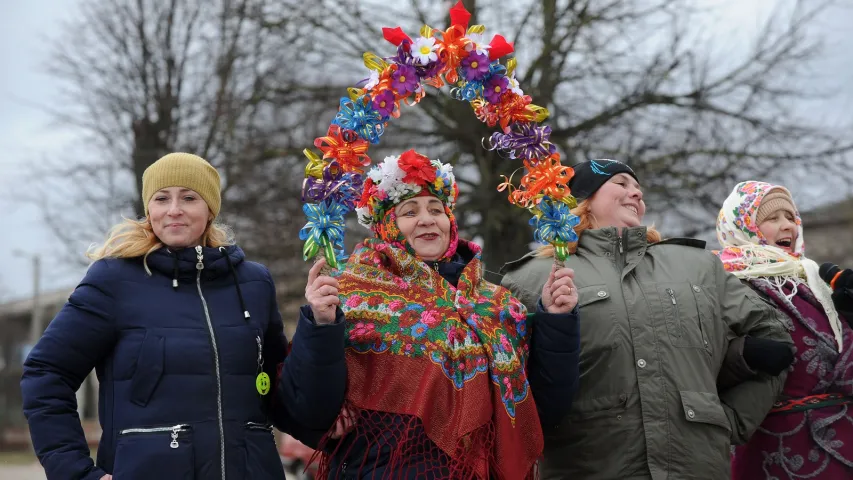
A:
747,254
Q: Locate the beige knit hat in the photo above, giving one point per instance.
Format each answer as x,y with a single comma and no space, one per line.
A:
775,200
183,170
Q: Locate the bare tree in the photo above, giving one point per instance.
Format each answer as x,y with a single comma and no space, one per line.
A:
625,79
249,83
145,77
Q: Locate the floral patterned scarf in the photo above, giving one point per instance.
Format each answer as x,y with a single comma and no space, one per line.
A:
439,370
748,255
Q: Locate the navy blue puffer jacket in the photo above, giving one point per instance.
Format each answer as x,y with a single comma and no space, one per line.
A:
177,354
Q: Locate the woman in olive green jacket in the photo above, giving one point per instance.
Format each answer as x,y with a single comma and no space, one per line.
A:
659,317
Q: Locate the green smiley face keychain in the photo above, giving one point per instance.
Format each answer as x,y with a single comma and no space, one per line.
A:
262,381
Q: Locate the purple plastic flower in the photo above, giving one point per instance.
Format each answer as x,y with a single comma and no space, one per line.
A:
384,103
495,87
431,69
404,54
475,66
405,79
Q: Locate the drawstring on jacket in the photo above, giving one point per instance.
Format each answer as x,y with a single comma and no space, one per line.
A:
175,271
246,313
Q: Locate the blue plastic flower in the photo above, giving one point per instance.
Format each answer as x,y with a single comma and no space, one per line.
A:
360,116
555,224
324,230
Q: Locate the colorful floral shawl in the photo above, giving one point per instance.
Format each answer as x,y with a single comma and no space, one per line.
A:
748,255
451,359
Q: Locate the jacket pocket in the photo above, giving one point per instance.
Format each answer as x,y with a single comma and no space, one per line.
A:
681,312
149,369
602,407
262,458
704,407
154,453
595,305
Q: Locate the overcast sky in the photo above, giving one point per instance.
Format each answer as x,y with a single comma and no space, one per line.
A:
27,134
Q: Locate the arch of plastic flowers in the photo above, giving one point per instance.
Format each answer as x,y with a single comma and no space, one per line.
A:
457,57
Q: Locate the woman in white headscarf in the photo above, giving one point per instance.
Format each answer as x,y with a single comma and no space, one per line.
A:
809,432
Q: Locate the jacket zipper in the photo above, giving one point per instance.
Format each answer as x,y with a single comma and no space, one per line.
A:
701,330
672,297
671,293
199,267
176,430
676,313
620,251
259,426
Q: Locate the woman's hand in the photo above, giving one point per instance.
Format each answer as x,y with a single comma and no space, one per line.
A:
343,424
107,477
322,294
559,294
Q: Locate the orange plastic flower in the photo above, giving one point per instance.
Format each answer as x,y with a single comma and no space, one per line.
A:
346,147
451,50
514,108
544,178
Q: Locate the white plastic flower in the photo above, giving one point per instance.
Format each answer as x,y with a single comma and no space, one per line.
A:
400,190
445,169
392,174
372,80
363,214
423,50
514,86
375,174
478,43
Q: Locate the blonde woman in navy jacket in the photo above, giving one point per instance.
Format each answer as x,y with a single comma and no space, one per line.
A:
187,342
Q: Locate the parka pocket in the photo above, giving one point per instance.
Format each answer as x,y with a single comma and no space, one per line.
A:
702,440
704,407
149,369
682,315
599,326
262,458
154,453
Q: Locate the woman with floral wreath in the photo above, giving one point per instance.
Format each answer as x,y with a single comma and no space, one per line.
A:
448,375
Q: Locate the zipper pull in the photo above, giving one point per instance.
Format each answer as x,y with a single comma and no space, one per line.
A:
671,295
174,442
620,245
200,257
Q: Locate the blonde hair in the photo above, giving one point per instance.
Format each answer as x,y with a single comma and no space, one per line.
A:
136,238
587,222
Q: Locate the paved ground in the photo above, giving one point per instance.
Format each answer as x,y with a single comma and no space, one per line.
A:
22,472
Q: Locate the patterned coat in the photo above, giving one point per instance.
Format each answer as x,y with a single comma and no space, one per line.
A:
815,443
